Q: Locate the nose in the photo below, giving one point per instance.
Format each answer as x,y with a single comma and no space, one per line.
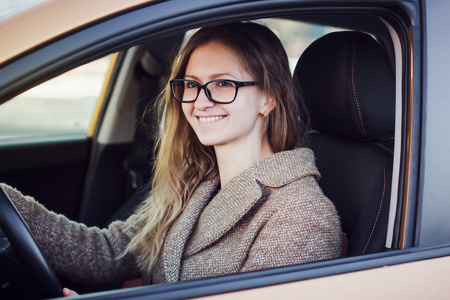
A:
203,101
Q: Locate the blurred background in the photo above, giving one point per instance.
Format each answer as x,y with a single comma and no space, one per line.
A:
10,7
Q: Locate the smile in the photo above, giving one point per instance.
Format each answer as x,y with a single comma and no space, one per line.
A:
210,119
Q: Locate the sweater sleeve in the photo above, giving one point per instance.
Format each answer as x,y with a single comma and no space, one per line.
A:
75,251
299,232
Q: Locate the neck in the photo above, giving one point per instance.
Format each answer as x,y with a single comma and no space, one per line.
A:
233,159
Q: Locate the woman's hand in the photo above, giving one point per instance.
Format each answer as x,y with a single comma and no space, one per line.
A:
69,293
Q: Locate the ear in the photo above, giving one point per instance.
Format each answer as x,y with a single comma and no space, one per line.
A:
269,105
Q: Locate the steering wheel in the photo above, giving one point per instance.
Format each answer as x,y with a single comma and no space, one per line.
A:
21,238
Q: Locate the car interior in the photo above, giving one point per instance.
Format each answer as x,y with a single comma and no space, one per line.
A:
348,78
350,88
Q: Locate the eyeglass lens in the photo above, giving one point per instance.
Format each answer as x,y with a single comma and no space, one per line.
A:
220,90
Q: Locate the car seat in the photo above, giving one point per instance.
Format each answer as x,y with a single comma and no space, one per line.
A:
349,89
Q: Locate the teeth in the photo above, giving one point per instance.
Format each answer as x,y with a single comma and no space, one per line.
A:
210,119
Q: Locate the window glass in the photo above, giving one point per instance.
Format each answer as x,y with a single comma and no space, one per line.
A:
62,105
296,36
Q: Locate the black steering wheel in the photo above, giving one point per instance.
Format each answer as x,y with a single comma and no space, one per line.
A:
22,240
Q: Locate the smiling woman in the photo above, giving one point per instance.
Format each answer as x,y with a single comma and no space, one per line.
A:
224,144
230,190
257,219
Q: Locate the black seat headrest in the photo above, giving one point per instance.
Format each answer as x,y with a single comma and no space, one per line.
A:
348,85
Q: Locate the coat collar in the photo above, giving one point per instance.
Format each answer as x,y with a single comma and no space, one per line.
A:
236,198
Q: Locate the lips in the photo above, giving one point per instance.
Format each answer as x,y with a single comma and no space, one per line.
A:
205,120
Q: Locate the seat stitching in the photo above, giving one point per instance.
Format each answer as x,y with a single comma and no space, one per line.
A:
379,210
354,93
390,151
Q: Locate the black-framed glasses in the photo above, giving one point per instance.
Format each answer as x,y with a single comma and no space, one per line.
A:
222,91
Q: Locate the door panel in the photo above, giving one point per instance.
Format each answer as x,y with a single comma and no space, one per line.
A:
52,172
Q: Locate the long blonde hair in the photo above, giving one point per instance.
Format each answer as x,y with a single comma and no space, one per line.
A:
182,162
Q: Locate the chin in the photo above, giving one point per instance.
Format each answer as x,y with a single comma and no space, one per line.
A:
210,142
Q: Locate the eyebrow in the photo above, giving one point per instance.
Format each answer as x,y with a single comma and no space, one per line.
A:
211,77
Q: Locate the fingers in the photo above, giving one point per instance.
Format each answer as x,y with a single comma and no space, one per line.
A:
69,293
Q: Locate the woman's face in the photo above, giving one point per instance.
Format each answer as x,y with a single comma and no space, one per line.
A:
240,122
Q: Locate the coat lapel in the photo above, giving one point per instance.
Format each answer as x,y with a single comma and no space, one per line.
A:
225,210
181,229
244,191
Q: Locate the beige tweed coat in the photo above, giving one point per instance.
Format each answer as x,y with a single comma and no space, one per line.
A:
273,214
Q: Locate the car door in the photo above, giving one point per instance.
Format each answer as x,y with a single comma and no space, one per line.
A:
419,257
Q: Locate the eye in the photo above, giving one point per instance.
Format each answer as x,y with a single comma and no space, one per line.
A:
224,84
190,85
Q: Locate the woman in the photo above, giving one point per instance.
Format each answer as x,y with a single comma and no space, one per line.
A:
230,192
